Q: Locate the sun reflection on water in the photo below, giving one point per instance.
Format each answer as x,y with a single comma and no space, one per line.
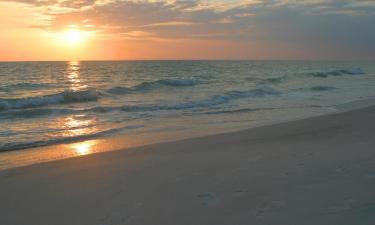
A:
84,148
78,125
73,76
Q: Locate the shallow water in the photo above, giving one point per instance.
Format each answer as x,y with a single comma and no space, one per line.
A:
44,103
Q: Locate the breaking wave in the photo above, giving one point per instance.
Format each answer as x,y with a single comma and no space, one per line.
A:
244,110
322,88
23,86
26,108
275,80
40,143
149,85
59,98
212,101
340,72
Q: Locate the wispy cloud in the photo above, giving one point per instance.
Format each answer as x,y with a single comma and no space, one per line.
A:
333,24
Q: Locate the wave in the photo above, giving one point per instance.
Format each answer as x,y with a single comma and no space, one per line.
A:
176,83
119,90
39,143
244,110
323,88
212,101
25,113
340,72
270,80
25,86
59,98
274,80
26,108
153,85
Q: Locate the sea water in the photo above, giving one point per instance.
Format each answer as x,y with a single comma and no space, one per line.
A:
46,103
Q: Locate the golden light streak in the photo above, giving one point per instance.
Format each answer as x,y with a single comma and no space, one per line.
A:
84,148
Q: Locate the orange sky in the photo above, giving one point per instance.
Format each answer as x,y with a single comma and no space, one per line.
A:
227,29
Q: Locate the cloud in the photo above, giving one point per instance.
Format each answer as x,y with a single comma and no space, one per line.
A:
335,25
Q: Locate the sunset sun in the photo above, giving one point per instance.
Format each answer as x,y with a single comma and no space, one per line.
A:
73,37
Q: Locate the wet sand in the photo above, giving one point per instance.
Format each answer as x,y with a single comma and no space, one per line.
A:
314,171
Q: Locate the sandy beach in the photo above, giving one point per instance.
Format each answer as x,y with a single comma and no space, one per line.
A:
314,171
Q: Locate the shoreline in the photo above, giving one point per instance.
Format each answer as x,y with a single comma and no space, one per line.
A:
318,170
124,142
311,171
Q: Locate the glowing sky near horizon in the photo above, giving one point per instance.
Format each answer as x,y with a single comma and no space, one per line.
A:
194,29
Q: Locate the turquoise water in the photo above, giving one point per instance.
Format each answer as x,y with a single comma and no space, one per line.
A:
44,103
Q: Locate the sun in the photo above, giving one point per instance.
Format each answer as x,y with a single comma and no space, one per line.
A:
73,37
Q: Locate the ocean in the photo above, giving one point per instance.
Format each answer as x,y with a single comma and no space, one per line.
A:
47,103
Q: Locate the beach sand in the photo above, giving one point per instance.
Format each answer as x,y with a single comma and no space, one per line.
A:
316,171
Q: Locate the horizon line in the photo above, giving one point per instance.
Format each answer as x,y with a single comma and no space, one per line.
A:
134,60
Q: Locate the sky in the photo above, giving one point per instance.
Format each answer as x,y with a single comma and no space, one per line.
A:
187,29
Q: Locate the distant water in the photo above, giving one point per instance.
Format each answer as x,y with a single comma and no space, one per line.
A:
43,103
